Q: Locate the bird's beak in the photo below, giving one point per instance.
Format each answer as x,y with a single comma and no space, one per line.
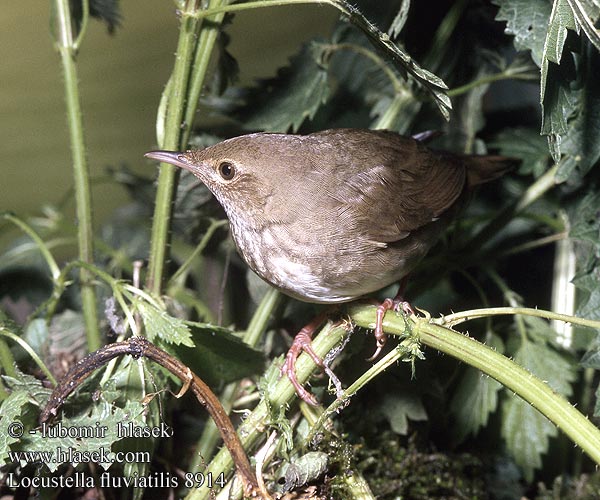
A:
176,158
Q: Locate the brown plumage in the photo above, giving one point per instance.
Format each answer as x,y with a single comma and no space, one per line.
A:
334,215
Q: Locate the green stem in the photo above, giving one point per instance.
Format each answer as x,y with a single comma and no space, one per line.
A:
167,177
8,334
283,393
257,327
515,378
43,248
66,47
456,318
216,224
183,93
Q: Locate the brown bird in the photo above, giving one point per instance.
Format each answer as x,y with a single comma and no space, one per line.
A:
335,215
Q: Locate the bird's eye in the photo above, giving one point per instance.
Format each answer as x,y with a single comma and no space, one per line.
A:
226,170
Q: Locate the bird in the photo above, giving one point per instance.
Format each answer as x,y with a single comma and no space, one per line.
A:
336,215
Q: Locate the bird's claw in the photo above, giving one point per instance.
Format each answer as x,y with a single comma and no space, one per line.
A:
398,304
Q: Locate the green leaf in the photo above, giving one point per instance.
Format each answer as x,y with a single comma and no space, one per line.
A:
526,144
296,93
557,98
102,424
476,398
219,356
527,21
10,413
400,19
398,408
525,430
581,143
585,229
159,324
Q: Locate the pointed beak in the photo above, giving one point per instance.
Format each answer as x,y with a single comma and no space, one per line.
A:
176,158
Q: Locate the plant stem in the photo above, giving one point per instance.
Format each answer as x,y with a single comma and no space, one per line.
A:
460,317
6,333
256,328
183,93
66,47
515,378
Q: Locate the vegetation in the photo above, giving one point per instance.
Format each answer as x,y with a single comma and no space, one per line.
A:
516,77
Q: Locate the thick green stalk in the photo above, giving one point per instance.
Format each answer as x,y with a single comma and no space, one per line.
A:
167,178
193,54
83,204
514,377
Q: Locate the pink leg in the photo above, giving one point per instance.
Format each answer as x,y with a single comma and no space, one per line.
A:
303,342
397,303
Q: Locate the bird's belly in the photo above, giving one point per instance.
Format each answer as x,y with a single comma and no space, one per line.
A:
310,277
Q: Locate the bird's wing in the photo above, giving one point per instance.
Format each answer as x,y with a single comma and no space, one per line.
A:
399,187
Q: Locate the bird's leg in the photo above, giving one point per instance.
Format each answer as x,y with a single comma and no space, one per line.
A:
303,342
397,304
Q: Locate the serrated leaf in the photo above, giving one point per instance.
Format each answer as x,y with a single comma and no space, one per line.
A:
400,19
557,99
526,144
585,229
159,324
476,398
10,411
102,425
219,356
296,93
527,21
581,143
525,430
399,408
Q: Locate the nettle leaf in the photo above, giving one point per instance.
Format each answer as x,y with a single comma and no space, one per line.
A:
159,323
400,19
526,144
219,356
10,412
296,93
557,98
399,408
585,228
476,397
525,430
527,21
581,144
104,414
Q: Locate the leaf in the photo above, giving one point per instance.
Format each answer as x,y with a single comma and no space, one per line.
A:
581,144
159,324
103,428
585,229
398,408
526,144
296,93
219,356
527,21
400,19
525,430
476,398
10,413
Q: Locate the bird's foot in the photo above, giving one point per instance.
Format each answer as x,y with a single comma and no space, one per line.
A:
303,343
397,304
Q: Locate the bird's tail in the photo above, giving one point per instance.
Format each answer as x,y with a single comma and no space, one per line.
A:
483,168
